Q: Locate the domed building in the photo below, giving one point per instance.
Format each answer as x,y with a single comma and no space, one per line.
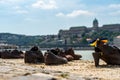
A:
79,30
95,25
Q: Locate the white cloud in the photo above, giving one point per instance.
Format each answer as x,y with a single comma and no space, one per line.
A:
10,1
1,1
76,13
22,11
114,9
28,19
45,4
115,6
16,7
60,14
116,13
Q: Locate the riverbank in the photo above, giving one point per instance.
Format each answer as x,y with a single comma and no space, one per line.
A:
16,69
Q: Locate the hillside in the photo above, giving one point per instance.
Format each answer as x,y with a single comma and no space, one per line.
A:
53,40
17,39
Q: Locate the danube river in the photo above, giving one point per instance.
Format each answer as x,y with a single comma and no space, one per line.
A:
86,54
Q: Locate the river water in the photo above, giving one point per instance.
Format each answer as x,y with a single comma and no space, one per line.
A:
86,54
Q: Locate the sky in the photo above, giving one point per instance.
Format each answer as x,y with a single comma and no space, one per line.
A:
47,17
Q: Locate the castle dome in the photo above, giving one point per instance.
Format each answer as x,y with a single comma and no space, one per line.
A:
95,23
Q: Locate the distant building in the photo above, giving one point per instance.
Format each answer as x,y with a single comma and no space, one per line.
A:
111,27
79,30
7,46
95,25
73,31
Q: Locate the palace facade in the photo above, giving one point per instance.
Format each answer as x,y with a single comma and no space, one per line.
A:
80,30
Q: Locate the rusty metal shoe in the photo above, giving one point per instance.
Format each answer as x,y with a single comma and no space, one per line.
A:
70,51
52,59
34,56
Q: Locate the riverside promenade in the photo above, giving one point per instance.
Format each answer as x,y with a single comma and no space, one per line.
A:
16,69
